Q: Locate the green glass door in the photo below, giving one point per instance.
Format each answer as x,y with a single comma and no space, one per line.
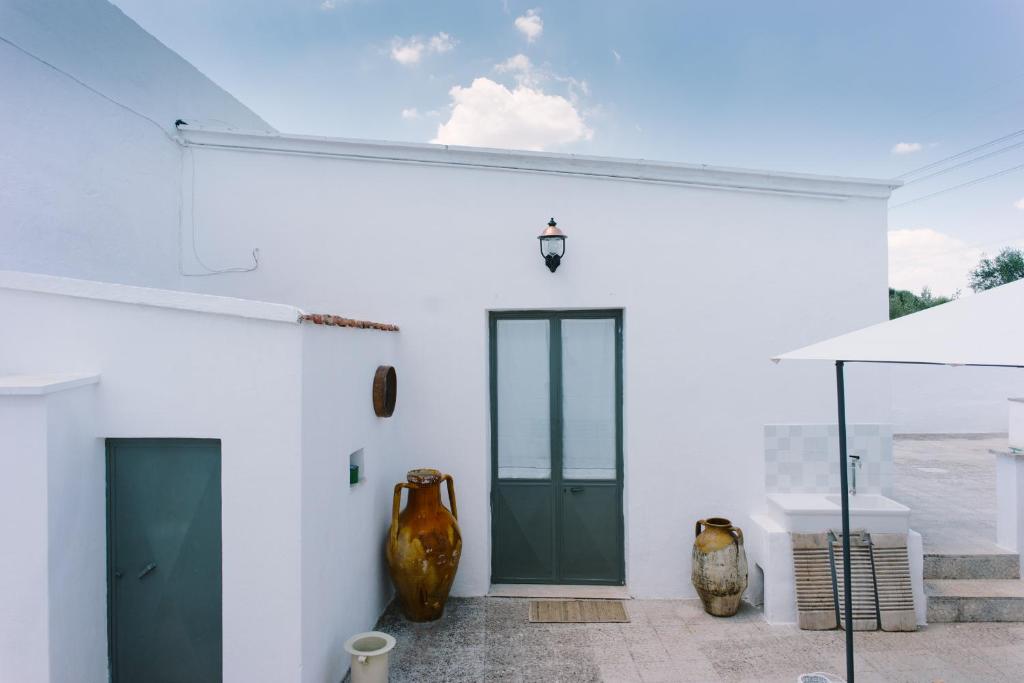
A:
556,447
164,560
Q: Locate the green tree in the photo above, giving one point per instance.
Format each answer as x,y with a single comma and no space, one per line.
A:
903,302
1006,267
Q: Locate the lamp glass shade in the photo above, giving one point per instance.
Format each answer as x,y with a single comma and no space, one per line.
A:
552,244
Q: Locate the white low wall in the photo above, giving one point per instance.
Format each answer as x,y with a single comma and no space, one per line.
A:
179,373
302,562
935,399
53,609
345,584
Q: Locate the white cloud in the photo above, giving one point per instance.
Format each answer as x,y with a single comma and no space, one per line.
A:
410,113
526,73
409,51
618,57
906,147
328,5
1019,203
442,42
515,64
530,24
922,257
488,114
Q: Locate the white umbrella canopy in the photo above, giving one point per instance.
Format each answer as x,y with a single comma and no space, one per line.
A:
982,329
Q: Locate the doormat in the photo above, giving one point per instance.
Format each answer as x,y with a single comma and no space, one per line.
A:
577,612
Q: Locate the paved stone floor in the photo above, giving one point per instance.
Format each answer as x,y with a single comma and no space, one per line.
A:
491,639
949,483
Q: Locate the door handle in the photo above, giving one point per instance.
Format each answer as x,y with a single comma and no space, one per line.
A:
575,489
118,575
147,569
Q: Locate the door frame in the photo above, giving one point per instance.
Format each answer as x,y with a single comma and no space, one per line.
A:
110,471
555,407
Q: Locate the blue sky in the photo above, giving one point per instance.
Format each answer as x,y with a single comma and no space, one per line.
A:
822,87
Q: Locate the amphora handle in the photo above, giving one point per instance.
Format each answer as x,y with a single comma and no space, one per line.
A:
451,495
697,530
395,505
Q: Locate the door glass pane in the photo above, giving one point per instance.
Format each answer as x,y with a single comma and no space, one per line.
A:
524,412
588,403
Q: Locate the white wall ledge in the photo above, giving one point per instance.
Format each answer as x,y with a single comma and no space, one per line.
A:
640,170
147,296
38,385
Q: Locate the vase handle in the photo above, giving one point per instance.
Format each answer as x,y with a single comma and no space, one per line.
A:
696,531
451,495
737,533
396,503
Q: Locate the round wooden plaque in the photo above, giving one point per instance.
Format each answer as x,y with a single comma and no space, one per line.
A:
385,391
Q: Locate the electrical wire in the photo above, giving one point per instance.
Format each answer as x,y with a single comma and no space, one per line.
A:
91,89
965,163
195,234
964,153
178,143
961,185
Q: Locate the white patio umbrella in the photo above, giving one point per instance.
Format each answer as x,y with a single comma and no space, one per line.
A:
985,329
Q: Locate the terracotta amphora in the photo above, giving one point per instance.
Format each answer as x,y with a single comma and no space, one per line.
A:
719,566
424,544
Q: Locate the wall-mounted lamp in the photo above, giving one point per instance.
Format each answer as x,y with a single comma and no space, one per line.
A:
552,245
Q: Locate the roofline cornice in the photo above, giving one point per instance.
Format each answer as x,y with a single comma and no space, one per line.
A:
607,168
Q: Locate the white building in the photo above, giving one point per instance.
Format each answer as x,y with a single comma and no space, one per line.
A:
693,275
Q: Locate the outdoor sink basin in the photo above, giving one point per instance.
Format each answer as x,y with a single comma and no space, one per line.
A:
868,503
816,512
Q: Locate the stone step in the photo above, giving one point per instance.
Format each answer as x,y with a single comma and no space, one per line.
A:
971,566
965,600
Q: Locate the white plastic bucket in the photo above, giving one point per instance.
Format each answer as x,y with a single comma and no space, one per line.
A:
370,656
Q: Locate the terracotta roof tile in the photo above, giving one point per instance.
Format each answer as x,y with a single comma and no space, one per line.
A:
338,321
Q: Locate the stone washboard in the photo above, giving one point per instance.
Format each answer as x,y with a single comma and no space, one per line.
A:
862,581
812,570
892,578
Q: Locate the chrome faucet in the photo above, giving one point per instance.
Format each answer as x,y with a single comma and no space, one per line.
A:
854,466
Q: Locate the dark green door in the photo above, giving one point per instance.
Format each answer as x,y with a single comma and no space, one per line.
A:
164,560
556,447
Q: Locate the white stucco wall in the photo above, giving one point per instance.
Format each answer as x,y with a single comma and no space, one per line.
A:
24,624
713,281
76,489
89,188
345,585
167,372
303,564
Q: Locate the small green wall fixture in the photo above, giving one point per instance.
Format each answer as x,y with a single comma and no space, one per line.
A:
385,391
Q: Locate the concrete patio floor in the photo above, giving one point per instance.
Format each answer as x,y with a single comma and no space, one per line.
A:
491,639
949,483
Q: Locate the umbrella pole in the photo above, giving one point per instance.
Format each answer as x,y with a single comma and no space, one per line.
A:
844,495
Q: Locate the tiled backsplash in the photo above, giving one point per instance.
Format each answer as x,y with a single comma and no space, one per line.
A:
805,458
